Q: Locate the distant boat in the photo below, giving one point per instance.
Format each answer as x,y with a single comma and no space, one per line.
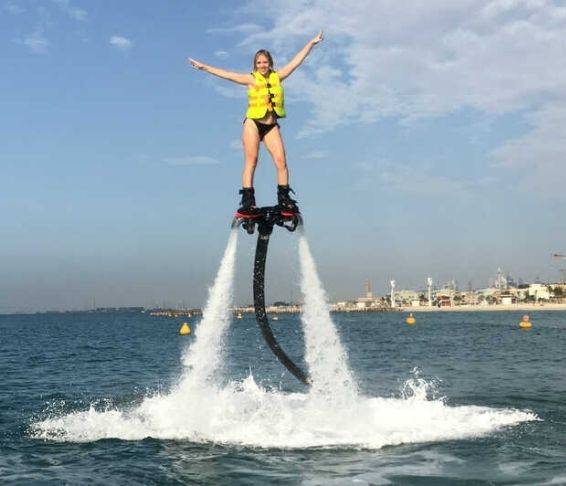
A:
239,315
275,318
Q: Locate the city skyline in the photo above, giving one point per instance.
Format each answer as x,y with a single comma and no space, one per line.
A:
501,281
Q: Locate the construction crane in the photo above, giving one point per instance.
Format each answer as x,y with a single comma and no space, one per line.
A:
561,257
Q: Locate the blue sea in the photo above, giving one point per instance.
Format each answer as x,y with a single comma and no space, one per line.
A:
458,398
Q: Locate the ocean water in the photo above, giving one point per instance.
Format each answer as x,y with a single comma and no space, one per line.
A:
118,398
457,398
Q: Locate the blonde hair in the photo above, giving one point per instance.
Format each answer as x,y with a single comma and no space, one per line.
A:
266,53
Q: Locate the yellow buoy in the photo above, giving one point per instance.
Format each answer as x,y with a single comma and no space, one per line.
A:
525,323
410,320
185,329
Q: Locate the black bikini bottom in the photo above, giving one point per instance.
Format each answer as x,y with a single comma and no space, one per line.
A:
263,128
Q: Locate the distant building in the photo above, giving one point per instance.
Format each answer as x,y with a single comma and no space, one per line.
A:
406,298
469,298
539,291
500,281
558,292
368,299
445,297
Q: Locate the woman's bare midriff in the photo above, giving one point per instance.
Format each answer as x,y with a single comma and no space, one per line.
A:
269,119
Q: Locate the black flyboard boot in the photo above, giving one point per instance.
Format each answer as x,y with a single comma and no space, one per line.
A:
248,209
287,206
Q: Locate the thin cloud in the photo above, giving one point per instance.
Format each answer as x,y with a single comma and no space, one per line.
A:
316,155
417,182
78,14
73,12
236,144
227,90
246,29
190,160
122,43
221,54
36,43
537,157
426,59
13,8
408,180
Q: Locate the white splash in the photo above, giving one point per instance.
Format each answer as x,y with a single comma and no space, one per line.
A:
324,354
246,414
204,358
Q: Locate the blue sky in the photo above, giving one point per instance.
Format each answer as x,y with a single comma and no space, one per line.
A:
423,138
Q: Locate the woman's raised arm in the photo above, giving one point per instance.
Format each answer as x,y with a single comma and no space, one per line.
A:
299,58
222,73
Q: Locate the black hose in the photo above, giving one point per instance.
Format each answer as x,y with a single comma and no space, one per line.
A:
261,316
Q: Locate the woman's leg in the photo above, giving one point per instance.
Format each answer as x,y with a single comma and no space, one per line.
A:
250,141
274,145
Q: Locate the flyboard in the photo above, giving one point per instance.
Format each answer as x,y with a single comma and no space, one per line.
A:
266,219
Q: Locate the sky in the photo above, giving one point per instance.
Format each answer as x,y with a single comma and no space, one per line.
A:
423,138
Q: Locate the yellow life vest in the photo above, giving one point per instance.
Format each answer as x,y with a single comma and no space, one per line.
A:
265,95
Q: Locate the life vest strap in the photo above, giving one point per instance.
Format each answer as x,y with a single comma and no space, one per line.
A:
261,105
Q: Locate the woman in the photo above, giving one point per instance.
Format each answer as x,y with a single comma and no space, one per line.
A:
265,105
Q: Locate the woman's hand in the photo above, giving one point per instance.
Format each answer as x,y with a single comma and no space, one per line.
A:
197,65
299,58
317,39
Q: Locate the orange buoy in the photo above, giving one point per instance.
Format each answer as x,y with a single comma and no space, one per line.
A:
525,323
410,320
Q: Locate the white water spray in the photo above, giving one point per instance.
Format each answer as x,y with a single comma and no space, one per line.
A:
204,358
324,354
332,414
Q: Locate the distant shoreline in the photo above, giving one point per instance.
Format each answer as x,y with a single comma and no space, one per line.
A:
489,308
296,310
